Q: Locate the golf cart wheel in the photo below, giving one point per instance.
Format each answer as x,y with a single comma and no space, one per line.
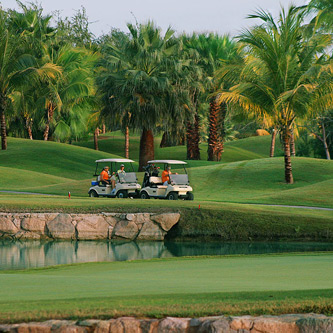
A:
122,194
144,195
190,196
172,196
93,194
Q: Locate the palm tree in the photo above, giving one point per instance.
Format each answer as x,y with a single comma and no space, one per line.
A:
323,10
17,68
66,102
280,76
213,50
135,82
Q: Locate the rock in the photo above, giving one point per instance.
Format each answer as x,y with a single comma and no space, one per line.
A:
241,323
110,232
5,328
64,326
141,218
31,328
92,227
125,229
50,216
116,326
166,220
261,132
171,324
110,220
130,324
103,326
151,231
16,218
26,235
221,324
7,226
149,325
130,217
110,214
61,227
33,223
270,324
315,324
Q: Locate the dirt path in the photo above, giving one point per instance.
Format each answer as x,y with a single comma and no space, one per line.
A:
303,207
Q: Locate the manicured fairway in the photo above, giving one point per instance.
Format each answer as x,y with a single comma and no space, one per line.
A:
31,291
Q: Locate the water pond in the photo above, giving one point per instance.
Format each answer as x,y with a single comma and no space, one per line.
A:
31,254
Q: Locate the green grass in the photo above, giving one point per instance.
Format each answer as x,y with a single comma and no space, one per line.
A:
271,284
248,177
186,286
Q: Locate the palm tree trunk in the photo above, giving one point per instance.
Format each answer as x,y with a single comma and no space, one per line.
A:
214,139
189,141
28,126
127,142
164,140
30,132
103,128
146,148
3,128
287,159
196,137
328,156
223,115
292,144
96,133
273,143
50,112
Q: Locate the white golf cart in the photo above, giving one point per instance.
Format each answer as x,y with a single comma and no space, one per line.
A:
126,183
177,188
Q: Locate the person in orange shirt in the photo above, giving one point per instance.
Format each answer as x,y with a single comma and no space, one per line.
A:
166,176
104,176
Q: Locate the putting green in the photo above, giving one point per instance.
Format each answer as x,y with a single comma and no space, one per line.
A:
170,276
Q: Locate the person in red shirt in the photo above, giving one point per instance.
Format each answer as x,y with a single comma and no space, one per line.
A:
104,176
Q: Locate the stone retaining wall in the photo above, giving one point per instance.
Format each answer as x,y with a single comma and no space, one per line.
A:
136,226
292,323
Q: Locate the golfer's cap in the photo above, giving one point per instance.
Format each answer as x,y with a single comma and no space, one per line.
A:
122,165
106,167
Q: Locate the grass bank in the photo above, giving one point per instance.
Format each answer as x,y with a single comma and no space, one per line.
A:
237,285
213,220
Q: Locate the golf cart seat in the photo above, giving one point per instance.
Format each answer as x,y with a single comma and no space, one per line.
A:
154,181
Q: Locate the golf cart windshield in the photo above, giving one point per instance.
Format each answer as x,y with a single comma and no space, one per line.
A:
128,177
179,179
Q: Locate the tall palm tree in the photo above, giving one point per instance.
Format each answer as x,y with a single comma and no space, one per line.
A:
136,78
213,51
279,78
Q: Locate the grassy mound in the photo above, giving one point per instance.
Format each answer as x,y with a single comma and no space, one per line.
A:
170,287
50,167
50,158
244,149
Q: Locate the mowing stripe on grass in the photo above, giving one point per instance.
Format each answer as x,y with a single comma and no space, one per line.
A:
183,276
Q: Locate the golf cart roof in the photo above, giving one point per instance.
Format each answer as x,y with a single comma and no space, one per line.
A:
115,160
167,162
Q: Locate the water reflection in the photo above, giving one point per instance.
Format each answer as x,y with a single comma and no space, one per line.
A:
30,254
